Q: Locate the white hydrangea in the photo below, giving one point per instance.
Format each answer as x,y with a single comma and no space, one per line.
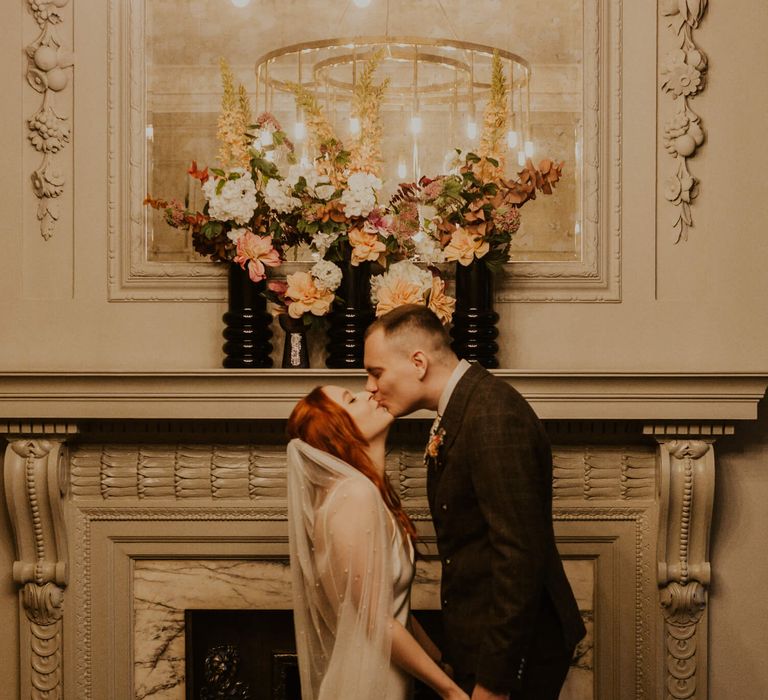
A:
406,271
327,275
359,198
236,234
322,241
278,196
236,201
298,170
427,249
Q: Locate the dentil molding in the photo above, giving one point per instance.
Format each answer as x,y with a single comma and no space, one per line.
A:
49,131
683,73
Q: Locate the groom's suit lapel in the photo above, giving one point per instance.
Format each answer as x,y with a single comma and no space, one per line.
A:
458,405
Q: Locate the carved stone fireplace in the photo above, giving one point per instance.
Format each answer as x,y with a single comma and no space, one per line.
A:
135,496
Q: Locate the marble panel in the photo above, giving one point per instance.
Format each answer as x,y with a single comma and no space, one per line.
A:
163,589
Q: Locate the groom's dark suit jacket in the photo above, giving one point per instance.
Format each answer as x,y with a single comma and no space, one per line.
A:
490,493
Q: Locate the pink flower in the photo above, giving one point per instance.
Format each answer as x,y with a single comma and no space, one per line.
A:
303,296
395,292
439,302
365,246
463,248
256,252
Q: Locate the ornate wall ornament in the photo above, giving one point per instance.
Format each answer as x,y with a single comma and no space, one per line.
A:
687,481
683,74
35,481
49,131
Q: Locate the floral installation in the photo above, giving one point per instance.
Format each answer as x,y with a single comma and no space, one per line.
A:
406,283
475,217
241,219
308,295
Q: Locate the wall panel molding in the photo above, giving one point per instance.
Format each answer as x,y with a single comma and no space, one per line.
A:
596,277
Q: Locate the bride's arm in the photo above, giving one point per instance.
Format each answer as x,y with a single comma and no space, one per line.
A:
410,656
424,640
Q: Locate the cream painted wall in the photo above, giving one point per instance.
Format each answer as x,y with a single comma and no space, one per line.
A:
683,306
738,603
699,305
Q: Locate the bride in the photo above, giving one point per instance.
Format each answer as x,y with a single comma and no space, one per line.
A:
352,557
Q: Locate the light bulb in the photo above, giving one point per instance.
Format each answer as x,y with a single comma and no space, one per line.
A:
521,158
471,130
354,126
415,125
362,3
299,131
512,140
150,132
529,149
241,3
402,171
577,228
266,138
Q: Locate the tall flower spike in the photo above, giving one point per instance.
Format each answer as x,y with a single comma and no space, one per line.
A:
495,116
365,154
233,121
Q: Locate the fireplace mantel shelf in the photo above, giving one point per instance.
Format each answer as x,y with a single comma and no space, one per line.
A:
270,394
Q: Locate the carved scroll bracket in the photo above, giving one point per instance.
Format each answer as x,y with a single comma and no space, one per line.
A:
49,131
683,73
687,487
35,477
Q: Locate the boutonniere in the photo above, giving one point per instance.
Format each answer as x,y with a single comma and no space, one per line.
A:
435,443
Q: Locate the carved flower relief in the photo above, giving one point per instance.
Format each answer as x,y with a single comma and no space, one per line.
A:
47,182
682,12
680,188
682,73
46,12
49,131
683,134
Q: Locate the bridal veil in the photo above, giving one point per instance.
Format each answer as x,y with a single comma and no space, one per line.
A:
341,567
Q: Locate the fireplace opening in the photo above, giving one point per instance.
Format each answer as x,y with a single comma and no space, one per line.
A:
251,654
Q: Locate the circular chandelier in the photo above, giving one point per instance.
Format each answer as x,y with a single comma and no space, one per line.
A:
435,96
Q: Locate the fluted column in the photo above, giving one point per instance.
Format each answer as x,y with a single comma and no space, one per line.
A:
687,488
35,479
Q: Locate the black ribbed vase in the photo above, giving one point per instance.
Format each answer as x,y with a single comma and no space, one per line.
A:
474,329
349,318
247,323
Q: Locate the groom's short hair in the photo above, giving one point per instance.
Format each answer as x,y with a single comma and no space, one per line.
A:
413,317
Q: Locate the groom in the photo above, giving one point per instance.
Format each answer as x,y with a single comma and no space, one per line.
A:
510,619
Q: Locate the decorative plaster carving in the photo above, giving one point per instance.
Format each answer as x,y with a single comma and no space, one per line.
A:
595,277
683,74
49,132
259,471
683,571
35,481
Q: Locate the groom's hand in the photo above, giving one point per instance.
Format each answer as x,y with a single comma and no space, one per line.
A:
480,693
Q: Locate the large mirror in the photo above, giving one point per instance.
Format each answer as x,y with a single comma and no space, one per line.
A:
437,57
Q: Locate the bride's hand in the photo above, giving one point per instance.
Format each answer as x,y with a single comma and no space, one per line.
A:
456,693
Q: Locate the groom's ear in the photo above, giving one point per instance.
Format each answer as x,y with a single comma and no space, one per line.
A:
420,362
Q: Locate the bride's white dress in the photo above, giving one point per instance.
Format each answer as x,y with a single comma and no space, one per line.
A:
351,572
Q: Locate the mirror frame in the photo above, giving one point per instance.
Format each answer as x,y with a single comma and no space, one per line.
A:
596,277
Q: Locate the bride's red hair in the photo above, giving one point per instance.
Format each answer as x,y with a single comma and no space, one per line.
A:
320,422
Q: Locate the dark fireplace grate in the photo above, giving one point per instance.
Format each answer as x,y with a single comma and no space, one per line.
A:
251,655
